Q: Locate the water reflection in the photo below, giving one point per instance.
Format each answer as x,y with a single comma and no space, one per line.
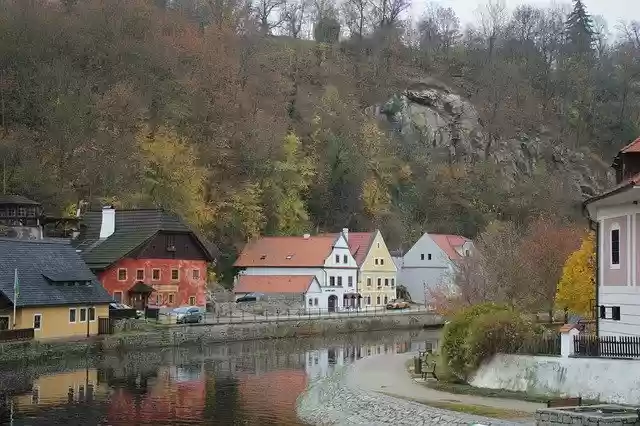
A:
248,383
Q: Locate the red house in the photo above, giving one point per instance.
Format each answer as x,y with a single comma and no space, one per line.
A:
146,257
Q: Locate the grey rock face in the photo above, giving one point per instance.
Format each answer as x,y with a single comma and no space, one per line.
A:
449,127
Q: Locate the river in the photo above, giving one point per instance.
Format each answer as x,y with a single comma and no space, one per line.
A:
242,383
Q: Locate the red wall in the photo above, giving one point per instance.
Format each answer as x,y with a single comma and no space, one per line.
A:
187,286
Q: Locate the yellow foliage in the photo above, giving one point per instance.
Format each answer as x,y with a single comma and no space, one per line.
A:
375,197
576,288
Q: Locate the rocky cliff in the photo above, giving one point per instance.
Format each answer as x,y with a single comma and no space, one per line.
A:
448,126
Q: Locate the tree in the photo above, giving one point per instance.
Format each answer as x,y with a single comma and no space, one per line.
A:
327,30
270,14
355,14
576,289
579,27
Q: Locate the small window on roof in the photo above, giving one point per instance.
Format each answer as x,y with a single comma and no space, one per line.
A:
290,256
263,257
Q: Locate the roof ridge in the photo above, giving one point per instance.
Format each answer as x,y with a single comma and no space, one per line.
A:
34,241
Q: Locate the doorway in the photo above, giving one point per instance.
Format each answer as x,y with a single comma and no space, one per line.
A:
333,299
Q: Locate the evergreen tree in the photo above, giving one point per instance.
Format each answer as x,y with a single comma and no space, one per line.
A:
579,30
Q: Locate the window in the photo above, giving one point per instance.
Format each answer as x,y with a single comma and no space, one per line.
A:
337,258
393,282
72,315
140,274
378,300
122,274
382,261
350,281
332,281
375,261
171,298
310,302
196,274
22,211
386,300
117,296
615,245
429,256
175,274
339,281
83,314
368,282
379,282
345,259
378,245
192,300
37,321
467,252
603,312
158,299
315,301
170,241
368,300
386,282
615,313
92,314
422,256
155,274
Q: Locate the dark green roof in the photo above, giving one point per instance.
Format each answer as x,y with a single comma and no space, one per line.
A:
133,228
17,199
36,260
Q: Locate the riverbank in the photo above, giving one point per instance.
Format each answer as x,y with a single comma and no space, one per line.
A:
378,390
203,334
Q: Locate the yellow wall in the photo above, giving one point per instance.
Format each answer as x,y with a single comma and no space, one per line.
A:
369,269
55,321
54,388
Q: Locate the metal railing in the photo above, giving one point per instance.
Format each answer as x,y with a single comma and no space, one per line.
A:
607,346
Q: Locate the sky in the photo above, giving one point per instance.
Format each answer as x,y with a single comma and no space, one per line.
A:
612,10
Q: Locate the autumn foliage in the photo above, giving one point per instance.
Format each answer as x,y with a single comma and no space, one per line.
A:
576,289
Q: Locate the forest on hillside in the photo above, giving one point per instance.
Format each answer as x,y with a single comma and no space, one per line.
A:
250,118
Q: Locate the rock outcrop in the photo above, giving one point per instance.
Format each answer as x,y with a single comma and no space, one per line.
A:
449,126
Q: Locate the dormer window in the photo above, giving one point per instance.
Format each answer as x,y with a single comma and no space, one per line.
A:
289,257
263,257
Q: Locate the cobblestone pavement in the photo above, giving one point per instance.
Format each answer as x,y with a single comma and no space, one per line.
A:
342,399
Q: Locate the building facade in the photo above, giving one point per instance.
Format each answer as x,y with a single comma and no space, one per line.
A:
615,215
325,257
431,263
57,295
146,257
376,270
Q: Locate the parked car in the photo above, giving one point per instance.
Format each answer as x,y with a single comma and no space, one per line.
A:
251,297
398,304
188,315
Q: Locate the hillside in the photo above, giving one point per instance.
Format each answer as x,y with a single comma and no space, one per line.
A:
245,133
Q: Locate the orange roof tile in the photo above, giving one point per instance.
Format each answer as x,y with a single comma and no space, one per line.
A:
632,147
273,283
448,243
359,244
287,251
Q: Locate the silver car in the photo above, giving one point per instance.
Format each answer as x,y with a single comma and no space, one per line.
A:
188,315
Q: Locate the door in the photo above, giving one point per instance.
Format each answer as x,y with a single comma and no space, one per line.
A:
332,302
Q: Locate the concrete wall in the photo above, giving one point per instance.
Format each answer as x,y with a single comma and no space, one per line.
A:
607,380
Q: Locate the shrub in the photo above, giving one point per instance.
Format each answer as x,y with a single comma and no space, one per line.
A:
478,332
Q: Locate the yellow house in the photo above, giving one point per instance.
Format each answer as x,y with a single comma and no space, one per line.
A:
54,292
376,270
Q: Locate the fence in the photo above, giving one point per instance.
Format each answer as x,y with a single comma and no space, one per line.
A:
545,345
16,334
122,313
105,325
607,346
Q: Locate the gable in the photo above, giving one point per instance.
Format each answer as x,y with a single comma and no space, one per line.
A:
425,246
378,250
164,245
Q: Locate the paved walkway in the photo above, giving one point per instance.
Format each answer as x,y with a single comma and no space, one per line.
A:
387,373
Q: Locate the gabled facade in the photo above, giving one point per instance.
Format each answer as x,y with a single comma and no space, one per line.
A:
325,257
431,263
615,215
376,270
146,257
58,296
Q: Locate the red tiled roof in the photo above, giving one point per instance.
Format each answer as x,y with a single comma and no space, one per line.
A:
448,243
359,243
287,251
273,283
622,186
632,147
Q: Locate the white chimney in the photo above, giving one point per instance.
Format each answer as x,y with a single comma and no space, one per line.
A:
345,231
306,236
108,226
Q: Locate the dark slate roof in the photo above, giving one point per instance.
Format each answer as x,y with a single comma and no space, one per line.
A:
132,229
17,199
39,262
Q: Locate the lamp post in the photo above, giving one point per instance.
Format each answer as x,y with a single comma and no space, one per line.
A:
88,320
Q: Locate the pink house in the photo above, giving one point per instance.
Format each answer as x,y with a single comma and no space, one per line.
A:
616,215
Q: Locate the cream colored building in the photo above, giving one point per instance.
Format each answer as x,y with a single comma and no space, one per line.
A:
377,273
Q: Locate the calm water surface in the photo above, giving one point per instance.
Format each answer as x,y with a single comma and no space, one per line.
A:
248,383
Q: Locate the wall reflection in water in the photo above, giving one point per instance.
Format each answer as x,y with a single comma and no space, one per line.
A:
248,383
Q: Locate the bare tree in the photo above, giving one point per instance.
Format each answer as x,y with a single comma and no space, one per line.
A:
492,19
296,14
439,28
269,14
355,15
387,13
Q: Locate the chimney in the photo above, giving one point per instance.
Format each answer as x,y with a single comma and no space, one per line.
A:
108,226
345,232
306,236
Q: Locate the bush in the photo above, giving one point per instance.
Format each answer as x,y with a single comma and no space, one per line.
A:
479,332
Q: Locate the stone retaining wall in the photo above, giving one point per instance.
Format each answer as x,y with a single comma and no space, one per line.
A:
558,417
211,333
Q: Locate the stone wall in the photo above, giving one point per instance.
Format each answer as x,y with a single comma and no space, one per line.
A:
602,379
202,334
275,304
559,416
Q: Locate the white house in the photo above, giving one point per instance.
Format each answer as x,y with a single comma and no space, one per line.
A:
430,263
616,216
325,257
